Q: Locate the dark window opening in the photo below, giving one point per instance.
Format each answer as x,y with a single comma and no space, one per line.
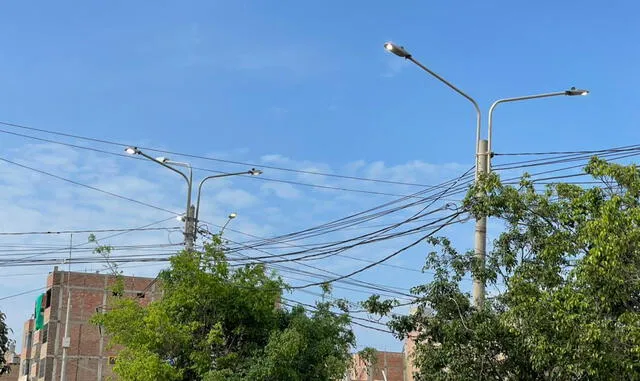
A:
28,341
47,299
44,333
42,366
25,367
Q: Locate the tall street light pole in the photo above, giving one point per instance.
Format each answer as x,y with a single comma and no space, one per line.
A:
482,157
191,214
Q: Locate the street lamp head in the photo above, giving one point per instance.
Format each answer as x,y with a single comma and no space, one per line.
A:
573,92
232,216
132,150
254,172
397,50
180,217
162,159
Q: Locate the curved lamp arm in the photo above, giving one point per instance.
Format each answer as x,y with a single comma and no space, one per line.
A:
571,92
252,172
402,52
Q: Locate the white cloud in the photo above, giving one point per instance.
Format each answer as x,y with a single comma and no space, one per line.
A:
235,198
282,190
274,158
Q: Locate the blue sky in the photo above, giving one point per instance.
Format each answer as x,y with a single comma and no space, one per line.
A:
304,85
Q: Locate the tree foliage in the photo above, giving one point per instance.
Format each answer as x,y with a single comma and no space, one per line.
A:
4,343
218,323
563,280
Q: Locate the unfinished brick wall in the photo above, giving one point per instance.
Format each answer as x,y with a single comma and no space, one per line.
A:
89,352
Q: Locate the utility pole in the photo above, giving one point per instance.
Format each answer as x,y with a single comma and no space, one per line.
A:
480,239
66,341
190,229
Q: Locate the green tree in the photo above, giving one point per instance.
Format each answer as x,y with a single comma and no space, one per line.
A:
218,323
4,343
564,278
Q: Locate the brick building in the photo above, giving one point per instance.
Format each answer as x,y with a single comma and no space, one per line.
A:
88,355
389,366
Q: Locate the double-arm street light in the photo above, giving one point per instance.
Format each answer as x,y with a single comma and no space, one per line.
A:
483,154
192,213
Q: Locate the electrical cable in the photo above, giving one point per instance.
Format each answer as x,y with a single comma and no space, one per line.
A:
84,231
376,262
88,186
113,143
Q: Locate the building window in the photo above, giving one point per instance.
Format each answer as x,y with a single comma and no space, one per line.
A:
44,333
47,299
25,367
42,366
28,339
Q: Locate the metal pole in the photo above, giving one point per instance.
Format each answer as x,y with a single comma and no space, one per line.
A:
480,237
252,172
188,237
66,341
505,100
457,90
189,224
480,246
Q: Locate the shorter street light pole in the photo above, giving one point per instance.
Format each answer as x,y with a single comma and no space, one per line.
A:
231,217
191,214
481,160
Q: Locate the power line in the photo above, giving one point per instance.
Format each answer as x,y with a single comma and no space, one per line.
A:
260,178
102,238
22,293
635,146
355,282
119,144
366,215
379,261
85,231
88,186
351,318
371,237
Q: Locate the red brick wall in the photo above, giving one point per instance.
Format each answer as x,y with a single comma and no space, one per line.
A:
391,362
88,293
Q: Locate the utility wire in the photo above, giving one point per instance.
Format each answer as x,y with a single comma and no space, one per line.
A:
86,231
119,144
376,262
22,293
566,152
260,178
88,186
102,238
341,314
